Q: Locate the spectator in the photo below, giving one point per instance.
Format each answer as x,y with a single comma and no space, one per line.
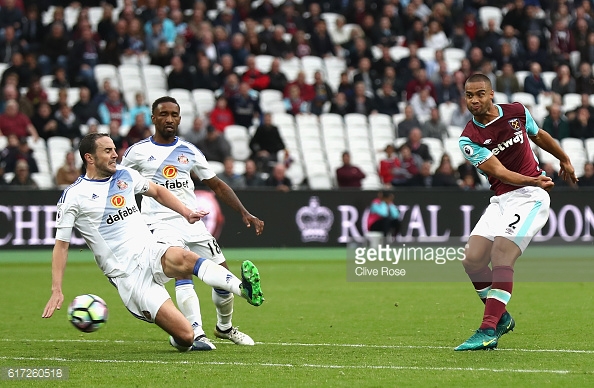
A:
507,82
113,109
422,103
446,91
385,61
278,180
278,80
368,76
221,116
582,127
266,143
461,115
460,40
140,107
60,81
294,103
245,106
340,104
417,146
118,140
168,28
423,178
139,130
256,79
214,146
35,94
62,100
162,56
19,68
467,169
106,27
505,56
556,124
563,83
348,175
198,131
180,76
410,121
237,49
307,91
289,18
384,215
419,83
322,94
386,100
445,175
44,122
561,42
17,149
252,176
435,37
85,108
534,84
388,165
84,55
587,179
13,122
68,173
535,54
204,76
346,86
9,45
32,30
584,83
68,124
229,176
361,102
276,46
434,127
320,41
22,176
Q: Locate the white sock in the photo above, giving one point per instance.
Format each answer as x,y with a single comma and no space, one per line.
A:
217,276
224,304
189,304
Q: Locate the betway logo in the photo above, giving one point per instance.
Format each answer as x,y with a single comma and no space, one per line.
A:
121,214
172,184
518,138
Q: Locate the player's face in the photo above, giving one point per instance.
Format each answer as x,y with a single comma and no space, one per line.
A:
479,98
166,119
105,158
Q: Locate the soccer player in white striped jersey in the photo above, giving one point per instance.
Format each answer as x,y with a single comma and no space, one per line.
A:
102,206
168,161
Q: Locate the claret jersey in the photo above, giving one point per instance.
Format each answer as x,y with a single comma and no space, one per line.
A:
505,137
168,165
105,213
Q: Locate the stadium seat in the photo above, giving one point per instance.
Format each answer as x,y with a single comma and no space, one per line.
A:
380,119
310,132
521,76
268,96
500,98
589,145
331,121
204,100
526,99
330,18
396,119
455,54
319,181
310,64
454,131
446,109
571,101
282,119
355,120
548,77
398,52
306,120
44,180
239,139
105,71
154,77
263,62
487,13
73,96
291,68
427,54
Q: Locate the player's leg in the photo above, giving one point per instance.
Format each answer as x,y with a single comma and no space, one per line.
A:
176,325
179,263
222,299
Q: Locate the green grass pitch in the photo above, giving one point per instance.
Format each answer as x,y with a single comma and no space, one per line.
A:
315,329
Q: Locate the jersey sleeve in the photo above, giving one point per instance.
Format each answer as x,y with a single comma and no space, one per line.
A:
473,152
66,213
201,168
531,126
129,158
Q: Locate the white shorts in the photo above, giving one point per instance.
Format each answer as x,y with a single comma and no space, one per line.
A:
143,291
190,237
516,215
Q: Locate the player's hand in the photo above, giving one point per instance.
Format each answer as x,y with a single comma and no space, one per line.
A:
545,182
567,172
55,303
249,219
197,215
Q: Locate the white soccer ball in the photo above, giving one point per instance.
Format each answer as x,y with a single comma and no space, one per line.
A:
88,313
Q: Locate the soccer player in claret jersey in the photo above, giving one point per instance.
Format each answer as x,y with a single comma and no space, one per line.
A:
101,204
496,142
168,161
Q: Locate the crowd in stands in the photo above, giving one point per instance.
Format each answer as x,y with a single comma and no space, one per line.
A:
404,59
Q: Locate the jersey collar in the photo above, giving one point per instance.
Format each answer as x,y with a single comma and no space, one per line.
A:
164,145
496,118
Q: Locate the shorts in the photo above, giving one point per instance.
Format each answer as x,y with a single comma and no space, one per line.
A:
191,237
143,291
516,215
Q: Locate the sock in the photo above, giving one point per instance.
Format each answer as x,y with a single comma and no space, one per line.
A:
481,280
223,301
217,276
188,304
498,296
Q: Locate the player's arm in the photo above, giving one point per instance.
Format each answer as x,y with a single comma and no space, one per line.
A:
59,258
168,199
547,143
493,167
227,195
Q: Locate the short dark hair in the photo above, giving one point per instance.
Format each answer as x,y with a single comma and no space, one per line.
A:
163,99
479,77
88,145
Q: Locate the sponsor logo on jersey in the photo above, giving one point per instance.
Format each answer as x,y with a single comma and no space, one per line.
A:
518,138
488,141
468,150
514,123
118,201
172,184
121,185
183,159
94,196
121,214
169,172
151,158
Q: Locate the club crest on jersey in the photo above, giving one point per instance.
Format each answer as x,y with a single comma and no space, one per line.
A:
121,185
118,201
514,123
183,159
169,172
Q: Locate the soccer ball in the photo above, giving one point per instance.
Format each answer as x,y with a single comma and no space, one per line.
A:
87,313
